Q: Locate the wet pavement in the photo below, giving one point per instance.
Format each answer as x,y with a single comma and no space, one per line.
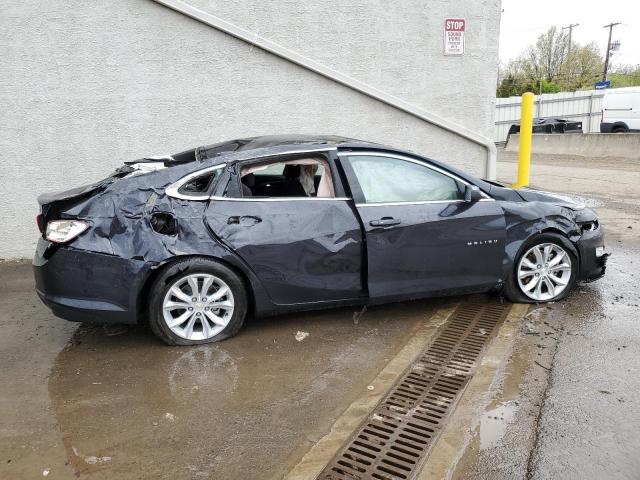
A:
590,421
82,401
565,404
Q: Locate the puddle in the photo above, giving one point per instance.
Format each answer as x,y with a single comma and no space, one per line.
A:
203,369
493,424
125,404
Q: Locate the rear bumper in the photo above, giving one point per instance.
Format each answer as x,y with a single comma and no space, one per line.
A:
593,259
83,286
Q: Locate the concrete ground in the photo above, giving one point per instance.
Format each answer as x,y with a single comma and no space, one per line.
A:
565,403
554,397
590,420
83,401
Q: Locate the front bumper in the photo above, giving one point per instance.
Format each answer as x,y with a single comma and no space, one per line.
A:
593,258
84,286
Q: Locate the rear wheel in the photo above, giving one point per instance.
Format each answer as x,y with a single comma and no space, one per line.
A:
545,270
196,301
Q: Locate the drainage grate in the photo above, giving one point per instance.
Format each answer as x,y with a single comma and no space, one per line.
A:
395,439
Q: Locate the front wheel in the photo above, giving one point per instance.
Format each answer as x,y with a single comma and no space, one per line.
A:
546,270
196,301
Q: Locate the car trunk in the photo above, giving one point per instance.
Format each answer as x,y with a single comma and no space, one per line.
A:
52,204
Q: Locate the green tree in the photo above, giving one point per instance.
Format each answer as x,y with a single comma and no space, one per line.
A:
581,68
625,76
551,65
509,87
543,60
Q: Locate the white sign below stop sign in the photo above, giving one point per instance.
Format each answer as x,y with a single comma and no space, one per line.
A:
454,36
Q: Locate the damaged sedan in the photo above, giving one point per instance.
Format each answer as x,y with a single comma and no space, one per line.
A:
194,242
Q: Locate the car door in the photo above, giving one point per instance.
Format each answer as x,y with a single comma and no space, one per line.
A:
421,235
303,249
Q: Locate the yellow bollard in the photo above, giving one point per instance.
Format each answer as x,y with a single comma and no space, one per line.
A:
526,129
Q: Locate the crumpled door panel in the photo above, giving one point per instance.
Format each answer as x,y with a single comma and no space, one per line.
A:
301,250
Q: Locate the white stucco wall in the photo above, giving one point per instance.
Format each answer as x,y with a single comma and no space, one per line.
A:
86,85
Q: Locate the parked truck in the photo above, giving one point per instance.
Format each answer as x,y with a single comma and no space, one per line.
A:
621,110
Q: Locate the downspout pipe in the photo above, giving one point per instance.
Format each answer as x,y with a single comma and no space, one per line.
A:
338,77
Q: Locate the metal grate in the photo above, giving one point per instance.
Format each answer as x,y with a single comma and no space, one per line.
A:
394,441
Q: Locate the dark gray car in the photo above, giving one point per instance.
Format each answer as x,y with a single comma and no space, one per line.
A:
194,242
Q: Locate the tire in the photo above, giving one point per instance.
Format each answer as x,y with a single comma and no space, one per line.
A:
514,289
619,130
205,320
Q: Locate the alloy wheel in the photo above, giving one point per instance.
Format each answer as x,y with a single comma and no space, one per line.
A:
544,272
198,306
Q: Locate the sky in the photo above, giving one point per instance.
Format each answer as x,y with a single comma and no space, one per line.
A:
522,22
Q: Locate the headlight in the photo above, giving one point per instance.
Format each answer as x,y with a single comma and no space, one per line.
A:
589,226
62,231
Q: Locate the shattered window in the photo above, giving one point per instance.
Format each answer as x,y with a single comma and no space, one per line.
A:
303,177
388,179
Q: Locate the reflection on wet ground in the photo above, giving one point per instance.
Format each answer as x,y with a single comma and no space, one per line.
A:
505,434
493,424
118,402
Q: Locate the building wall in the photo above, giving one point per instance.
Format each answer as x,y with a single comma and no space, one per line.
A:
87,85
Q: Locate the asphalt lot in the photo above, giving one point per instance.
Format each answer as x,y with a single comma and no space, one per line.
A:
566,403
88,402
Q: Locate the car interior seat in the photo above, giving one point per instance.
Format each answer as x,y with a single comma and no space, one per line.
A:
292,186
248,181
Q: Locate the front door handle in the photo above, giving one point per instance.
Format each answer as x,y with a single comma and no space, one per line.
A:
384,222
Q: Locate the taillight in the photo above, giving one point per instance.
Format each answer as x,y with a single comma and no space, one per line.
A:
40,222
63,231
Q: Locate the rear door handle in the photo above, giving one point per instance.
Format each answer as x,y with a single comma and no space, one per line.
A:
246,221
384,222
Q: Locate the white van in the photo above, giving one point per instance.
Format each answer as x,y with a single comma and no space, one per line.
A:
621,110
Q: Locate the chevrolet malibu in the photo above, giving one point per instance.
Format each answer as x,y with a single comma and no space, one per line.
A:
194,242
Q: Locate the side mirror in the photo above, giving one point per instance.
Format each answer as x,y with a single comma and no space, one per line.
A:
472,194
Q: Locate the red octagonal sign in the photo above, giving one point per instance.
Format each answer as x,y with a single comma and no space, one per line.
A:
454,36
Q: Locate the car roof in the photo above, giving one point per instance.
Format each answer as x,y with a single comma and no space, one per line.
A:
281,143
249,148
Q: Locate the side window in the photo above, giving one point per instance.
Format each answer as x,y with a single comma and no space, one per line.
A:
304,177
197,185
388,179
200,184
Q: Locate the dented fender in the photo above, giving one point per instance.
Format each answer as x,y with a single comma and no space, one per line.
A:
526,219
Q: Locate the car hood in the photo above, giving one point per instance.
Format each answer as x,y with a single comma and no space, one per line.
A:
561,200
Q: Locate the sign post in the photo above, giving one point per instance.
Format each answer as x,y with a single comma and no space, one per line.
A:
454,36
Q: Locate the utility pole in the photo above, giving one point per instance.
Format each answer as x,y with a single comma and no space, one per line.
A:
606,59
570,28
